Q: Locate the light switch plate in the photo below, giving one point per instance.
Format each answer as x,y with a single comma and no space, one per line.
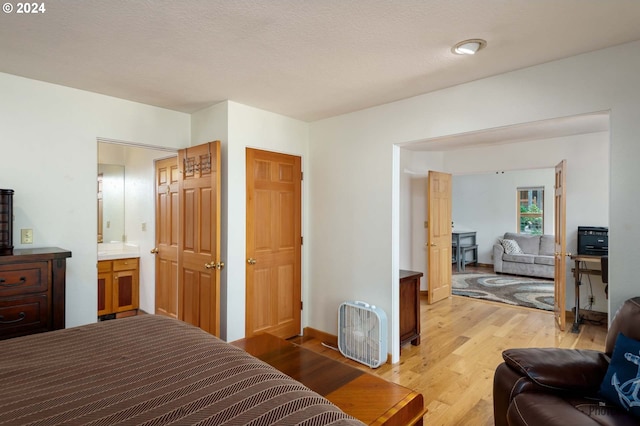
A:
26,236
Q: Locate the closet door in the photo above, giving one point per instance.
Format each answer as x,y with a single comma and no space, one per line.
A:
199,261
167,231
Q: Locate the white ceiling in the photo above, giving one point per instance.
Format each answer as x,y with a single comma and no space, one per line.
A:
307,59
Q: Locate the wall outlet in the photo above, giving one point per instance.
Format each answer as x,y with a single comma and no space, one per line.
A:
592,300
26,236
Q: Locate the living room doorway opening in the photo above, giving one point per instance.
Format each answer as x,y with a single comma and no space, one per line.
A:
586,148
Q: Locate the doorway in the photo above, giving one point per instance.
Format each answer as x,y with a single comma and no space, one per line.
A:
584,149
137,211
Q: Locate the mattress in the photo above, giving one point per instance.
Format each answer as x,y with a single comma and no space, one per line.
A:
148,370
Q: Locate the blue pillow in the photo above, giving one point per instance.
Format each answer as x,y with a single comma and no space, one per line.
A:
621,384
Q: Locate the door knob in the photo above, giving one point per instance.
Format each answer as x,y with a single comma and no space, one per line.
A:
214,265
432,244
154,250
251,261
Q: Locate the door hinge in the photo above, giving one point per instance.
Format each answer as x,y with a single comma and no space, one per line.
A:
301,175
301,240
301,305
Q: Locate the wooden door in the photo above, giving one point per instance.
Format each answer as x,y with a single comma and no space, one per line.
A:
438,236
560,245
167,230
273,247
199,263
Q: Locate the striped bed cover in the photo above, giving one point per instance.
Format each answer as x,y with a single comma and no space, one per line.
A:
148,370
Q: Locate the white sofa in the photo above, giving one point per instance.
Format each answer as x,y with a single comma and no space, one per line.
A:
536,260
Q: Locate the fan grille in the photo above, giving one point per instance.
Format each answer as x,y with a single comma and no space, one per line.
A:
362,334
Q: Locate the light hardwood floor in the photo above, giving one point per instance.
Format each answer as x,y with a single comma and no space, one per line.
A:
461,344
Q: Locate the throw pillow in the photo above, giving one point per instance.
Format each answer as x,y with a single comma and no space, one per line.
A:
511,246
621,384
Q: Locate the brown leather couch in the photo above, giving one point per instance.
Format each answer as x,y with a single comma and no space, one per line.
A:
550,386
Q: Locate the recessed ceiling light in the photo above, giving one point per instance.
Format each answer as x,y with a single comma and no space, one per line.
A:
468,47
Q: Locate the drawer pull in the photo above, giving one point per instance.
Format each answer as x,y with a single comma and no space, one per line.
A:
3,282
21,316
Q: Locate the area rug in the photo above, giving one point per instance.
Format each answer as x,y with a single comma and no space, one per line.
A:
520,291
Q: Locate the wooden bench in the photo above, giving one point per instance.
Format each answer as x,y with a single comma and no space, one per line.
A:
365,396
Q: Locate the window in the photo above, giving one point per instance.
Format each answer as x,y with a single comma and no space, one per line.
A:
530,210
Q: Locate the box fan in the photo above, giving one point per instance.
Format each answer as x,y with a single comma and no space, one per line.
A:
362,333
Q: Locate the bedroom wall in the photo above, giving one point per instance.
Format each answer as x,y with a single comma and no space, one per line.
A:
48,155
352,168
254,128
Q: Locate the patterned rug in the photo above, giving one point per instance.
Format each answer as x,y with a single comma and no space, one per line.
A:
521,291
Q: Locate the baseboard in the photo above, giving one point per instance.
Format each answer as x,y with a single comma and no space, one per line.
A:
593,316
327,338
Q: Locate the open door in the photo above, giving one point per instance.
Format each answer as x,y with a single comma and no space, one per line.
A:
167,231
199,261
274,226
560,245
438,236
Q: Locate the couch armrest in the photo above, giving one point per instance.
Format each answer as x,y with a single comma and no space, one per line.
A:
575,370
498,251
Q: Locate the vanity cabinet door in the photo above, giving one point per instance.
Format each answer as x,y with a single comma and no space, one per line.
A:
126,288
104,293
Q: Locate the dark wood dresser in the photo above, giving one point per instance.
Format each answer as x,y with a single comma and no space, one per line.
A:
410,307
32,291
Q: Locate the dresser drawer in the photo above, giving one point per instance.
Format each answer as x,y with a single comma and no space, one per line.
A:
24,315
125,264
23,278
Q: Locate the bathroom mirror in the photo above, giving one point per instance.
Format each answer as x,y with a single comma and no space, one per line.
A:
110,203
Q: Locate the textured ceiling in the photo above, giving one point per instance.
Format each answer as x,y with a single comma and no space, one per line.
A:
307,59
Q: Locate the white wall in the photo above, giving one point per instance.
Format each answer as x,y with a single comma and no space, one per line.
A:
487,203
254,128
352,163
48,155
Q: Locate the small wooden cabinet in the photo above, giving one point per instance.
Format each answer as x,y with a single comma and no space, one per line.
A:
410,307
32,291
118,286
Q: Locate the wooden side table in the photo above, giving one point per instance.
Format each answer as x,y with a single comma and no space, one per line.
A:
577,270
410,307
365,396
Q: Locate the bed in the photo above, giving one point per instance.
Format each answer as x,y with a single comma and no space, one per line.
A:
149,370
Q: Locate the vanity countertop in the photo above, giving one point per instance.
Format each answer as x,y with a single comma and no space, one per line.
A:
114,251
